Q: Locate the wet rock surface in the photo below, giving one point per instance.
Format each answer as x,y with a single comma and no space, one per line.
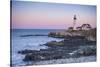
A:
70,47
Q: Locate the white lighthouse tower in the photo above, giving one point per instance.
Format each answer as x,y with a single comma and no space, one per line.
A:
74,22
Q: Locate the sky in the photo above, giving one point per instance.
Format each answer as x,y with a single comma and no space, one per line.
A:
42,15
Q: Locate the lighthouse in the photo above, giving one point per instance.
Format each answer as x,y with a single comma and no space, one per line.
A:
74,22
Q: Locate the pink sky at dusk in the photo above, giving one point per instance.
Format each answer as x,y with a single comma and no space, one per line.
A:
34,15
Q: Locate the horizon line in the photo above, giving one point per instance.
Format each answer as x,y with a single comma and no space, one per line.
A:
27,28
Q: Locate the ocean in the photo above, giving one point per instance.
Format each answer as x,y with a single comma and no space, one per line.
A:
19,43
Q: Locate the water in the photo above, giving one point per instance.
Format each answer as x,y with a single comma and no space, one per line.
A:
32,42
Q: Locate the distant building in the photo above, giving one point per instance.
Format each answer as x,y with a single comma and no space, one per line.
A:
79,28
84,27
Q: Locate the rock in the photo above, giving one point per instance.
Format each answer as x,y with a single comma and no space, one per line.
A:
33,57
29,57
87,34
54,44
70,47
27,51
43,56
55,53
56,35
87,50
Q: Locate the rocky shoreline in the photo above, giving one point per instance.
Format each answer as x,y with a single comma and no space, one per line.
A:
63,61
70,47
